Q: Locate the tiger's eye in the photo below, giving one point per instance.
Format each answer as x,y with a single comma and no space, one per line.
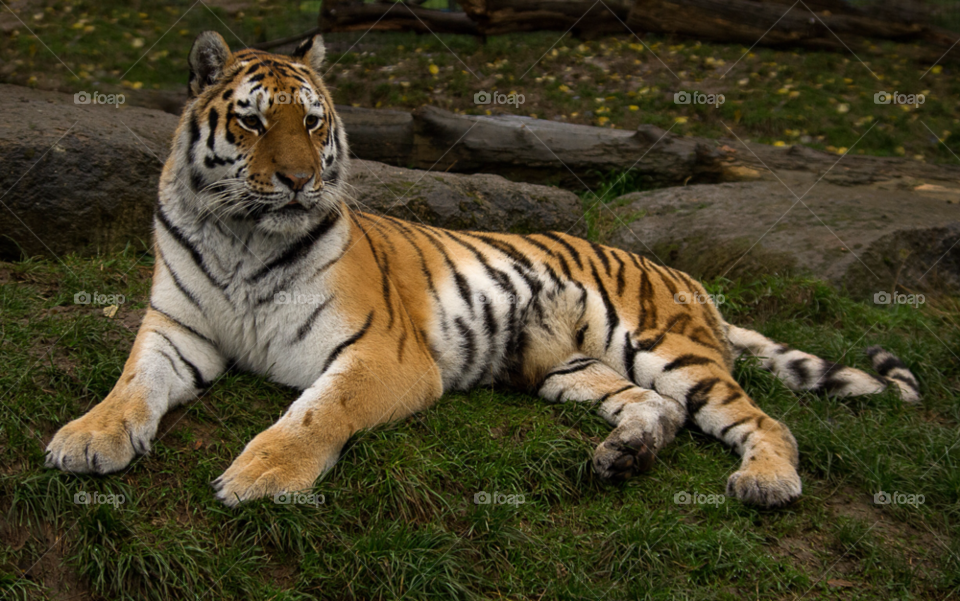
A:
251,121
312,121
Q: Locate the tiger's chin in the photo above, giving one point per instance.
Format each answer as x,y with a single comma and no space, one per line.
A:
293,219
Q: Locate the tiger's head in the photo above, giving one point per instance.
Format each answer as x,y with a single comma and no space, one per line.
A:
259,140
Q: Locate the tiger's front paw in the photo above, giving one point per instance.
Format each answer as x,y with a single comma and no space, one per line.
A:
274,462
765,484
100,442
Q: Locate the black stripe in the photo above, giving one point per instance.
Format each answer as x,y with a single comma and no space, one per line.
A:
194,135
176,282
173,364
299,249
564,267
889,364
565,371
304,329
630,357
384,268
736,394
729,427
406,233
182,325
648,303
526,267
573,252
614,393
401,345
503,282
906,380
463,288
668,282
800,371
621,278
598,250
504,247
346,343
697,396
471,346
613,320
198,381
686,361
212,122
181,239
581,334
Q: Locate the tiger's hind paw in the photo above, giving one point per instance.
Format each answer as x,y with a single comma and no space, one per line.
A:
629,450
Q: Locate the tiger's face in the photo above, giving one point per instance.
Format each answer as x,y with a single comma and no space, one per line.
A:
260,141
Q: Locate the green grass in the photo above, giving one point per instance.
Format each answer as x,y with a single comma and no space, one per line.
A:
823,100
398,518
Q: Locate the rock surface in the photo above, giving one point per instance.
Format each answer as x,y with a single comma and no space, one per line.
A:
867,239
76,177
83,178
479,202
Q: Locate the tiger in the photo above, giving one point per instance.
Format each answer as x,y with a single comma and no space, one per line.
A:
264,263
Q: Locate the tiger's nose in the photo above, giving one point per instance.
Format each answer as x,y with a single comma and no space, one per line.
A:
294,181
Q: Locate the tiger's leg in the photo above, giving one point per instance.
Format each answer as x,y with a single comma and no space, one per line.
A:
169,364
644,422
718,405
361,388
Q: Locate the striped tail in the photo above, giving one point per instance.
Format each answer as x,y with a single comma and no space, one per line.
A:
803,371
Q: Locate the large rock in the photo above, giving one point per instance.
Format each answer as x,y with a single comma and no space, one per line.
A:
77,177
865,238
478,202
83,178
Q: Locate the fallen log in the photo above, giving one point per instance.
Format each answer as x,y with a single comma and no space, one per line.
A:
772,23
583,17
354,15
579,156
833,25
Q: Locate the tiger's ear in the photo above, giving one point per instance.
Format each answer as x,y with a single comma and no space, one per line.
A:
311,50
207,57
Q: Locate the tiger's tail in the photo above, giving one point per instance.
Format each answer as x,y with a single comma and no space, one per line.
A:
803,371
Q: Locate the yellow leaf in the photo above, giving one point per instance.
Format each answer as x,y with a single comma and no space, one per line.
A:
434,69
634,107
110,311
681,120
